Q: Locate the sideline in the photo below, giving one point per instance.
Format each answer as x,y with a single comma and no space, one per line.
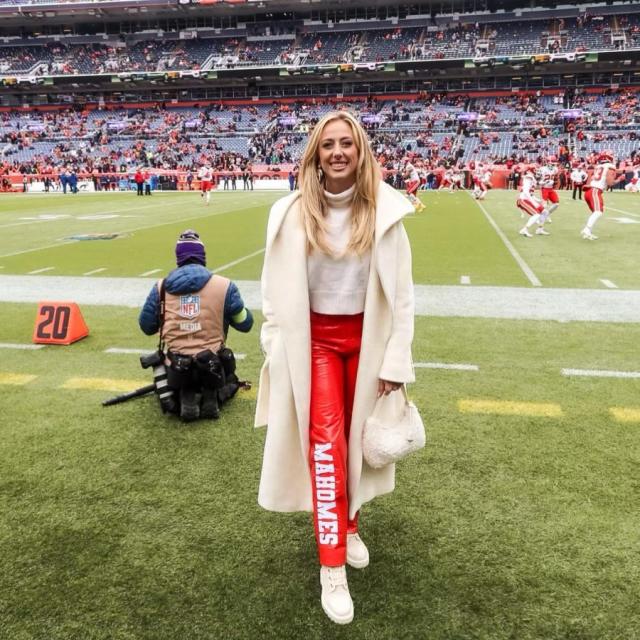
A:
462,301
526,269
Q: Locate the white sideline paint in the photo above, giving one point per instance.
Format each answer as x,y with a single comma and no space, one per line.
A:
33,273
526,269
238,261
90,273
11,345
600,373
448,301
239,356
608,284
465,280
444,365
148,273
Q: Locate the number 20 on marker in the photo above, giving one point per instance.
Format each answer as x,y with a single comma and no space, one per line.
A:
59,323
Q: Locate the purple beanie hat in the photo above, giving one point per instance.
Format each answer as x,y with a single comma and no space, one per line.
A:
189,248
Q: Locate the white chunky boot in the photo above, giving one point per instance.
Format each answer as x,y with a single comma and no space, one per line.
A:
336,599
357,552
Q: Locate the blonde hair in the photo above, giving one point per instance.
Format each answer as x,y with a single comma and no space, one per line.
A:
313,203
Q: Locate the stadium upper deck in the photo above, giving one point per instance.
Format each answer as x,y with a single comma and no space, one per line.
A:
165,50
297,46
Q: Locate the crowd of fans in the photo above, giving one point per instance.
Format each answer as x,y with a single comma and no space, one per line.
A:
274,135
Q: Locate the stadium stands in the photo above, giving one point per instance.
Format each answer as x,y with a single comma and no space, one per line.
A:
454,40
518,127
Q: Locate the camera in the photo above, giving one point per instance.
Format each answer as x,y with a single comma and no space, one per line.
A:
165,394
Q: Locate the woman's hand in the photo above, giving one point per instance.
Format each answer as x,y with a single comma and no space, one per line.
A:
385,387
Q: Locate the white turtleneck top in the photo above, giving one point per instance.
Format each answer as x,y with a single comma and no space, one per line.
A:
337,285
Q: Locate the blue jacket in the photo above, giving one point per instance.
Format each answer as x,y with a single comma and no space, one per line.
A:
188,279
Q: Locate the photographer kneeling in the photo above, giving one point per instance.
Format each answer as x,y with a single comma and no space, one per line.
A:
192,309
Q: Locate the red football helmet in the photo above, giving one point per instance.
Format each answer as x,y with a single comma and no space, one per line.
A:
605,156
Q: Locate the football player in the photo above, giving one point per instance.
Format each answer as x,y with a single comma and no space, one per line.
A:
603,175
548,175
412,182
205,175
528,203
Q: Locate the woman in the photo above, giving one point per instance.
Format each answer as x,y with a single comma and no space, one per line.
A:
338,305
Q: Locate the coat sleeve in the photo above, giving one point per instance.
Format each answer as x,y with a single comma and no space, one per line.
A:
269,327
267,331
149,319
397,365
235,313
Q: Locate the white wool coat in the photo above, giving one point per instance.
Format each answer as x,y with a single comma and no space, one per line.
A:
285,379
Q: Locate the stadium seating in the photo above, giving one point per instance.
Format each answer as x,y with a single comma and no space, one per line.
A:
522,127
360,44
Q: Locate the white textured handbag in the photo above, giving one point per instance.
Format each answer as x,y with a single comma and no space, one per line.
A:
388,435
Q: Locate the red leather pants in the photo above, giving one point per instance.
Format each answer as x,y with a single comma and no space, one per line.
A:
335,350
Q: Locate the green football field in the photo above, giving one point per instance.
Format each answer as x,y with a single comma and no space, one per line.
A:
451,239
518,520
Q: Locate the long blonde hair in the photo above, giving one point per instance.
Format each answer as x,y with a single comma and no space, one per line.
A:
313,203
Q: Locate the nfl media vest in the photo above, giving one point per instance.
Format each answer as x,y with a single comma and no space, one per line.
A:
194,321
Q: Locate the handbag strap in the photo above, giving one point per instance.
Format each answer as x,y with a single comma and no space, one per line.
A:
378,405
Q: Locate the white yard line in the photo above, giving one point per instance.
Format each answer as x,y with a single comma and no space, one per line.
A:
526,269
11,345
608,284
238,261
125,350
205,214
465,280
46,246
148,273
600,373
74,217
90,273
33,273
445,365
628,213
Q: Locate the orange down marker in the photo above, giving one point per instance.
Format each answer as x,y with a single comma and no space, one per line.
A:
59,323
